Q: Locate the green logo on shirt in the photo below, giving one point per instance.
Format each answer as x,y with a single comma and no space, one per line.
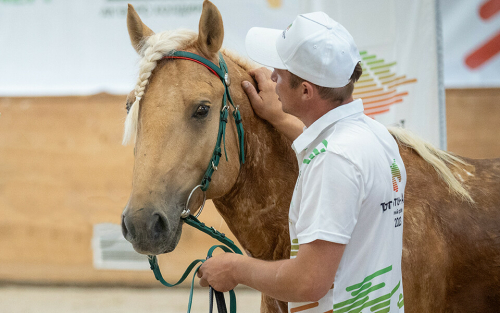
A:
316,152
361,300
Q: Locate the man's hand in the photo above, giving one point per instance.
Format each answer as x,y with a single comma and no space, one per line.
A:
265,103
314,267
218,272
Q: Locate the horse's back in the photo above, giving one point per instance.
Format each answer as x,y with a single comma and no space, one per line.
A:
460,268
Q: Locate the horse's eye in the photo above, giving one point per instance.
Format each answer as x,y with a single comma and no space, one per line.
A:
202,111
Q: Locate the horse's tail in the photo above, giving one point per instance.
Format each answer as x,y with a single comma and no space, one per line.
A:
438,158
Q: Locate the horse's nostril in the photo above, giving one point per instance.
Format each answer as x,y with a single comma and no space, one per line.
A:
128,230
159,226
124,227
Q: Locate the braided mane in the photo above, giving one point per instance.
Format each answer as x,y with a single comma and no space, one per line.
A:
154,48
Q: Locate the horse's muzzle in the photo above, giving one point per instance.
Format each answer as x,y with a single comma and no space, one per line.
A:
148,233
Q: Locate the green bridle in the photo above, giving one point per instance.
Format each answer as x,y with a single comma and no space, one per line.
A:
228,245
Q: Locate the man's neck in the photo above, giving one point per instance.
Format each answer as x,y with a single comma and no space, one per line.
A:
320,108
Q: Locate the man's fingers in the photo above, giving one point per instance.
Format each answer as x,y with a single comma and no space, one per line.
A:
262,76
251,92
203,282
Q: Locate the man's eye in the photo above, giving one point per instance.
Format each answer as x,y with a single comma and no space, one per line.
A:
202,111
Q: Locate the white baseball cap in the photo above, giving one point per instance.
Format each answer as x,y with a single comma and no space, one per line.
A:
314,47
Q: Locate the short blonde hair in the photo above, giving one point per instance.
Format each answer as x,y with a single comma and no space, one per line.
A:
334,95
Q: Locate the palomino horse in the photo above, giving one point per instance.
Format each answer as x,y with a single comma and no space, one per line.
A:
451,253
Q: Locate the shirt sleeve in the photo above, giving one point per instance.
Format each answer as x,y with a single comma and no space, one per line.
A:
332,188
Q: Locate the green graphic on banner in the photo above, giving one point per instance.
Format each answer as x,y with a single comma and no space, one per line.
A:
378,85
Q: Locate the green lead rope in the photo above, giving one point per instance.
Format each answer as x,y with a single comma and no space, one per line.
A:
227,246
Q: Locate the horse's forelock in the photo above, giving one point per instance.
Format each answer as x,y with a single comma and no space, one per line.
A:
154,48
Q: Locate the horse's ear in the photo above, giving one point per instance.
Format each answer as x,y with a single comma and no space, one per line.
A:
137,31
211,30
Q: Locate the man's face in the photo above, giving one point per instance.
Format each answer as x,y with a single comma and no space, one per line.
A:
289,97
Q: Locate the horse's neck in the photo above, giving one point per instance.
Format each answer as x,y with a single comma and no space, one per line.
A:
256,209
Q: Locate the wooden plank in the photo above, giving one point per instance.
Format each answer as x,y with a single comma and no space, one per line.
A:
473,122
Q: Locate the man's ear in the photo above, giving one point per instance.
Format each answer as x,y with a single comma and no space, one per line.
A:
308,91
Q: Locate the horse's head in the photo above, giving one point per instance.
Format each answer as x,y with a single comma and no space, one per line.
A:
174,116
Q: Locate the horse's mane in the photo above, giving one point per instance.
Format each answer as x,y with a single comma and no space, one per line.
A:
439,159
153,49
241,61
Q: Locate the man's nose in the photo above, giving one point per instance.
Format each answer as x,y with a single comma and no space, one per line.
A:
274,76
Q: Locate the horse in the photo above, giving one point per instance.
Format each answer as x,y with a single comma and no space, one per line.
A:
451,240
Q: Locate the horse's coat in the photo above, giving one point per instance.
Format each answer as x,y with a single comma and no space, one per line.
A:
451,245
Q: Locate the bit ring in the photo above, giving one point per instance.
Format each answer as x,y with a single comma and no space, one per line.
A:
186,212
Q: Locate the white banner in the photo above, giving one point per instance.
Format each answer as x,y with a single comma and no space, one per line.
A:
57,47
71,47
471,33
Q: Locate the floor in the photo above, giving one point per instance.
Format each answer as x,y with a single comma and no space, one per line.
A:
27,299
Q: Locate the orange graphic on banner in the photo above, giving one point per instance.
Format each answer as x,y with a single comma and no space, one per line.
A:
378,85
491,47
489,8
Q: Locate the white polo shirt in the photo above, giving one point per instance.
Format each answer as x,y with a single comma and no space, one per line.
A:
350,190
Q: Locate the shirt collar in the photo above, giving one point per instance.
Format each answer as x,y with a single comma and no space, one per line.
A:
312,132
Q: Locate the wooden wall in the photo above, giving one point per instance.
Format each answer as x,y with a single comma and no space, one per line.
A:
63,169
473,122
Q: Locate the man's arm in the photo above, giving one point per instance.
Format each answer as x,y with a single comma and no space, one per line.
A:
266,104
307,278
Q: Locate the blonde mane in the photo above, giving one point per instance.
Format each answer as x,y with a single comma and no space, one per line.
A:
439,159
155,47
241,61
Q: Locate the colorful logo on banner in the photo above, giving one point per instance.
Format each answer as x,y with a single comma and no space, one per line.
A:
487,50
378,86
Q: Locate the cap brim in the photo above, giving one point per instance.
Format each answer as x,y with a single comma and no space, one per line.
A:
261,46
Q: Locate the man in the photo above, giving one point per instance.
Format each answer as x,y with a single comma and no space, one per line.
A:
347,208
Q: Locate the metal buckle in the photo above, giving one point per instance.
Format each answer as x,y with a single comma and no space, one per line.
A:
213,166
227,79
186,212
